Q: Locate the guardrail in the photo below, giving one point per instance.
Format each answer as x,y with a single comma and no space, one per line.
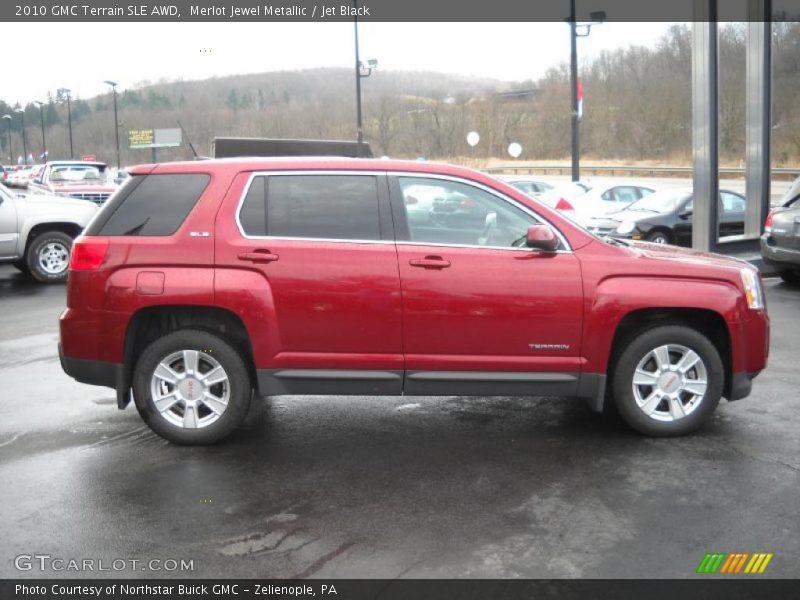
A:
778,173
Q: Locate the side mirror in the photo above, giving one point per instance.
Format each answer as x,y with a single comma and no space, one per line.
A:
687,214
541,237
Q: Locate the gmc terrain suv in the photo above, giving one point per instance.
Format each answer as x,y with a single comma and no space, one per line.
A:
199,284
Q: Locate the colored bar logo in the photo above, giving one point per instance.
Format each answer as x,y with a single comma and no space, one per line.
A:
737,562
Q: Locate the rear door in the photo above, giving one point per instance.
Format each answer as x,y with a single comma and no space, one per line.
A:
481,312
316,252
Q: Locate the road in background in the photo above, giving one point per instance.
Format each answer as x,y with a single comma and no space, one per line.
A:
390,487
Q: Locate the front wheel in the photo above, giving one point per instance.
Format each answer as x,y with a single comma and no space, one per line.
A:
668,381
658,237
191,387
47,257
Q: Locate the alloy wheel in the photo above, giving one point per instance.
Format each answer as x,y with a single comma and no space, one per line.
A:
190,389
670,382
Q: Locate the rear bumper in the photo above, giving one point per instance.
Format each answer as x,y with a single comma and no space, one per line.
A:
93,372
778,256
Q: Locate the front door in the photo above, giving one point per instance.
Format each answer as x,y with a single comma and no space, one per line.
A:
8,226
481,311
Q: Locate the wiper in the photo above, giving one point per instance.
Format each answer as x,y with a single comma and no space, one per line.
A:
137,229
641,209
614,241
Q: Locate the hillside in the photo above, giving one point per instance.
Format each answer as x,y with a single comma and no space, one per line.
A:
637,107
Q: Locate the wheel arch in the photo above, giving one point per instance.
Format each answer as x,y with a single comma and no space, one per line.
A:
150,323
706,321
73,230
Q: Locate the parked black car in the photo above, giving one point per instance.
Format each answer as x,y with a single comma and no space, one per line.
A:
665,217
780,243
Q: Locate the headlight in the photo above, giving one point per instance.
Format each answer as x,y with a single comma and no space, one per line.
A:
626,227
752,288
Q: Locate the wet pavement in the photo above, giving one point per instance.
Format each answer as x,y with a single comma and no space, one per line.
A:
388,487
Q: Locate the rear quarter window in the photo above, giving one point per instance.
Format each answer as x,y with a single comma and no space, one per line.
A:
150,205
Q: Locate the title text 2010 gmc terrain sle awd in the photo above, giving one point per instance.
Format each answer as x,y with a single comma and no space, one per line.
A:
199,284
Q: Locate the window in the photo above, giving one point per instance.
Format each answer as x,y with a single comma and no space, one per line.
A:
643,192
253,215
732,202
152,205
340,207
626,194
450,212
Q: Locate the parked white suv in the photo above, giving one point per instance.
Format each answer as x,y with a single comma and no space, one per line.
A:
36,232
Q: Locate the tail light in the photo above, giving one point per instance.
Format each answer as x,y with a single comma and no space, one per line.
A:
768,222
564,205
88,253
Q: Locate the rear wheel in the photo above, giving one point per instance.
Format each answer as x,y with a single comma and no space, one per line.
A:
192,387
668,381
47,257
790,277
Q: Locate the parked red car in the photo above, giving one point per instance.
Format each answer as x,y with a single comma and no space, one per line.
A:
81,179
202,282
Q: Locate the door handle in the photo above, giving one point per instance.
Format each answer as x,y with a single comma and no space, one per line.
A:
430,262
259,256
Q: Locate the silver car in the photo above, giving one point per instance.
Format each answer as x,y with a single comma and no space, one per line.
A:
36,232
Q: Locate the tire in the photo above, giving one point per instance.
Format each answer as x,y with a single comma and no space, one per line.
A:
658,237
47,256
666,408
790,277
187,415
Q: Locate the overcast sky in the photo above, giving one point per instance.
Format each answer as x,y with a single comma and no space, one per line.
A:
81,56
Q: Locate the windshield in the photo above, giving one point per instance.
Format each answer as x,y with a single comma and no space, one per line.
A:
69,173
662,202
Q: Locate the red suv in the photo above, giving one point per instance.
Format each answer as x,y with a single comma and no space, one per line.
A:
198,284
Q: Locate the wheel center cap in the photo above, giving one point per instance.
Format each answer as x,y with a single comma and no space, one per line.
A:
669,382
190,388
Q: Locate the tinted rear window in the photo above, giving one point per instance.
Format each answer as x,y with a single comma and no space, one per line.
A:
342,207
151,205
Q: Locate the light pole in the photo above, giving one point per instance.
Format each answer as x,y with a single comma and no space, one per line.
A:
21,112
597,19
362,70
113,85
41,114
65,93
8,118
